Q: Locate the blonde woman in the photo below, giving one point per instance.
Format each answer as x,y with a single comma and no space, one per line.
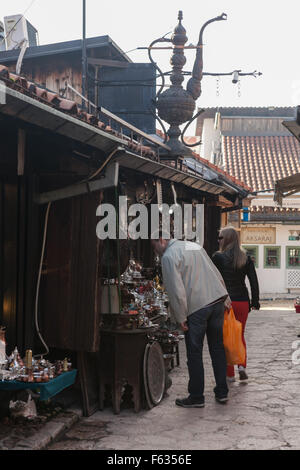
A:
234,265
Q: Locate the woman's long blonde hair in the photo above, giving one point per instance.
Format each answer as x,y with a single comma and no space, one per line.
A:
231,243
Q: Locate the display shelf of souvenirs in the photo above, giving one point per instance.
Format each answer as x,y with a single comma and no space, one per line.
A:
144,303
169,342
166,339
29,369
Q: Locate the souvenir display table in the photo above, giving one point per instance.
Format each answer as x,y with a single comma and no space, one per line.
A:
30,373
45,390
136,347
121,363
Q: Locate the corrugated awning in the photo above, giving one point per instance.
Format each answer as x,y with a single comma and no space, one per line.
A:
34,112
42,115
286,187
290,185
139,163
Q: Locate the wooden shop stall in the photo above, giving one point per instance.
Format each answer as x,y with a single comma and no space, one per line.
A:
64,293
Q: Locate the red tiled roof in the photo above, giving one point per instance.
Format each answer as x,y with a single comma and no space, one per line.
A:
273,209
194,139
226,174
191,139
261,160
67,106
160,133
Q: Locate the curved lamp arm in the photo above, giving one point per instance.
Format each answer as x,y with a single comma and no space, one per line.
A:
161,74
186,127
161,123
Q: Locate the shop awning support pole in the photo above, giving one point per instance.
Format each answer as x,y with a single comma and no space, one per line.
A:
84,58
118,248
108,272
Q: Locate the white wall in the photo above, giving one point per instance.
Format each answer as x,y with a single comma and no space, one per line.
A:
273,280
208,133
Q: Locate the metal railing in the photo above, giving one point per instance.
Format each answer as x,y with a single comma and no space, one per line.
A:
137,136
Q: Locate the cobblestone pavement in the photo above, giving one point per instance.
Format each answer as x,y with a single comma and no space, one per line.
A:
262,414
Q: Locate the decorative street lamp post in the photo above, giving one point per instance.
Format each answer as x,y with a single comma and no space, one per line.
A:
176,105
84,57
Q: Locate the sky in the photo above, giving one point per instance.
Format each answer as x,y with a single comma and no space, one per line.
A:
260,35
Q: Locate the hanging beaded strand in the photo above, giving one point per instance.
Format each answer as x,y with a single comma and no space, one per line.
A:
217,87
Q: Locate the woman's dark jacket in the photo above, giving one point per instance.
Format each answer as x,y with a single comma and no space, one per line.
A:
235,278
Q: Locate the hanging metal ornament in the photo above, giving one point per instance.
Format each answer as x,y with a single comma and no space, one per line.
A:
239,88
218,87
175,105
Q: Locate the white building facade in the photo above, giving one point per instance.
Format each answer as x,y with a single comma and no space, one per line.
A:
274,246
252,145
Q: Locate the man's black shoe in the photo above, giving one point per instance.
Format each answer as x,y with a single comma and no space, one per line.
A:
222,400
189,402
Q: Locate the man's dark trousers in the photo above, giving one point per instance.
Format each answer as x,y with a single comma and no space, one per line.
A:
207,320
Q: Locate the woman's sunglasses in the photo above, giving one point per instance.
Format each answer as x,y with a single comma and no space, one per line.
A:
220,238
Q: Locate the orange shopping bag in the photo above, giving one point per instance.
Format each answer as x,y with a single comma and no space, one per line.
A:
232,338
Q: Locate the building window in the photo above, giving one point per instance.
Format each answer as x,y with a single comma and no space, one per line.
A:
294,235
252,251
272,257
293,257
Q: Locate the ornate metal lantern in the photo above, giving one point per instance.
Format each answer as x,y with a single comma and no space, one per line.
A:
176,105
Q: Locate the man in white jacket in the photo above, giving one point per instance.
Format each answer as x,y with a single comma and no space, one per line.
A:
197,293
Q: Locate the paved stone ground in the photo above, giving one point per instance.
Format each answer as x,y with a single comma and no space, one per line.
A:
262,414
36,434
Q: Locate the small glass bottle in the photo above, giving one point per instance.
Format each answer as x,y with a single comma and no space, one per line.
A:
2,345
28,358
65,365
